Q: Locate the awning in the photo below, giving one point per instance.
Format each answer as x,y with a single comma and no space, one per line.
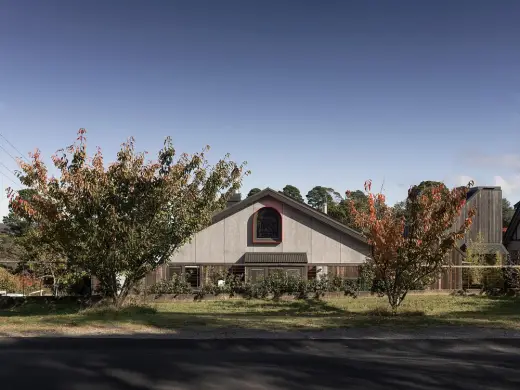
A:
275,258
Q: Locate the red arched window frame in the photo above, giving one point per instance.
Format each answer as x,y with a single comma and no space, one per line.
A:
272,212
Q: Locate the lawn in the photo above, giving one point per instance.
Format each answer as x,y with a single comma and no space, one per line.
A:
417,311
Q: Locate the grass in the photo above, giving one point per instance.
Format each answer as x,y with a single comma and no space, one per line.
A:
416,311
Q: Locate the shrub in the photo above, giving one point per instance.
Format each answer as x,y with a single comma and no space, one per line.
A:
350,287
8,281
233,284
511,280
278,283
176,285
17,283
332,283
275,284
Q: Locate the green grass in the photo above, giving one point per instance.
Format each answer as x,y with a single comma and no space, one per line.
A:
419,310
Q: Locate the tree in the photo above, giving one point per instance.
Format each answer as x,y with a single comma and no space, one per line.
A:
10,250
507,212
44,260
401,208
318,196
409,254
341,211
253,191
428,184
120,222
292,192
19,225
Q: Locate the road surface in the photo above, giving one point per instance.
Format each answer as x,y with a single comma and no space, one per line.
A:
138,364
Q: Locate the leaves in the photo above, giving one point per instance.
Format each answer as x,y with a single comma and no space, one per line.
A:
253,192
409,248
318,196
292,192
126,218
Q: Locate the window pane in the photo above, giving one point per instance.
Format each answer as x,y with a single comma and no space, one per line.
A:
294,272
275,270
256,274
268,224
173,270
192,276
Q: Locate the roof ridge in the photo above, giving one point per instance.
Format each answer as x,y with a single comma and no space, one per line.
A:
325,218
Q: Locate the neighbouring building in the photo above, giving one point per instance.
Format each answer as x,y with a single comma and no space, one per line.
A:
270,231
512,236
486,229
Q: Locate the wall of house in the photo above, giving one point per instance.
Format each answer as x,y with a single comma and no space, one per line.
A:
514,245
488,217
229,239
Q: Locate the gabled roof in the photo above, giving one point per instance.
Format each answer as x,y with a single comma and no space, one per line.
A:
302,207
513,225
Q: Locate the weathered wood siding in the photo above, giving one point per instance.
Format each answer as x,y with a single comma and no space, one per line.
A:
488,219
226,241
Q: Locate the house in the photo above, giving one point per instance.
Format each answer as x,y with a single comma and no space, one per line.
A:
265,232
512,236
270,231
486,229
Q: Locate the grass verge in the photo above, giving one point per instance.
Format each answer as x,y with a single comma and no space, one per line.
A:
416,311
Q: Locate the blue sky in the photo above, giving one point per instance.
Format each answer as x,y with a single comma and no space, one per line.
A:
308,92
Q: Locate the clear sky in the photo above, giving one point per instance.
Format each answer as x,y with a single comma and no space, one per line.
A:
308,92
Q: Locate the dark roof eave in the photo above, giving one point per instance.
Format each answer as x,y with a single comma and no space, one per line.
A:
513,225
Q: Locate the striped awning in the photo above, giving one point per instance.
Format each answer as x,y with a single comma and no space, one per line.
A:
275,258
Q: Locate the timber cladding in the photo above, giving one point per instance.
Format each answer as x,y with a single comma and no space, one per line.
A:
488,218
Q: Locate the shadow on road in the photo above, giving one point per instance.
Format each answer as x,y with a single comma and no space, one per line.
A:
76,364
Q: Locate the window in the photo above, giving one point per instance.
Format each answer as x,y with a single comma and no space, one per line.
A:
275,271
173,270
192,275
294,272
255,274
311,273
267,226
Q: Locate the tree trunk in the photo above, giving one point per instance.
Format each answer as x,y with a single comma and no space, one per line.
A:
123,294
395,299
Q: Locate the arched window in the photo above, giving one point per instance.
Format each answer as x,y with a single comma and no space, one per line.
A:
267,226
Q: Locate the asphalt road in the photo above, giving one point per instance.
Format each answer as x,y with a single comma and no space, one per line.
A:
79,364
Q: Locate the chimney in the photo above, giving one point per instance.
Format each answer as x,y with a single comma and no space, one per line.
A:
235,198
325,207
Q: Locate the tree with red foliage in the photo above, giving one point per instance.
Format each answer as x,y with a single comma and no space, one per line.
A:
409,253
